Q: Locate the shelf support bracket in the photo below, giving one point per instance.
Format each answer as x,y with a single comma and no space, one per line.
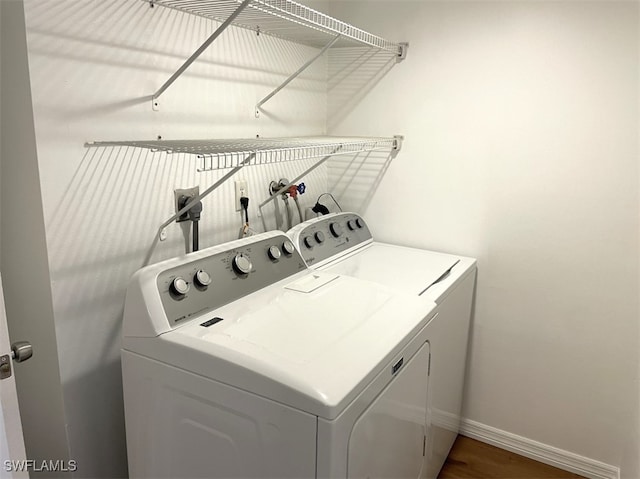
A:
397,143
162,234
198,52
404,46
296,74
292,182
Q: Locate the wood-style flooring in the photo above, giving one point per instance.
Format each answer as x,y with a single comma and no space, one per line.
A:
471,459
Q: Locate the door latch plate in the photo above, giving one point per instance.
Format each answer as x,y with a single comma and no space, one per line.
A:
5,366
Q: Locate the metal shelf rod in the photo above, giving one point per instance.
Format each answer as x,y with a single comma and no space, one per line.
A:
296,73
200,50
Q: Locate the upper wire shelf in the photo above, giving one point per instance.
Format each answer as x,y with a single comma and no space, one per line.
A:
285,19
233,153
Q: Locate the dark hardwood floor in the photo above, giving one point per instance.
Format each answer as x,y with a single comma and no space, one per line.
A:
471,459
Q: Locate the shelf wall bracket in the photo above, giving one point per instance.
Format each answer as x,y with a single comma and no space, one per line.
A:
292,182
197,53
296,74
402,54
397,143
162,233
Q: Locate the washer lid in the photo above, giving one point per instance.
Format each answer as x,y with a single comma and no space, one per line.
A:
408,269
346,247
314,348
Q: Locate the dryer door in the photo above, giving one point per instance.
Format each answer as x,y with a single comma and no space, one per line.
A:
389,438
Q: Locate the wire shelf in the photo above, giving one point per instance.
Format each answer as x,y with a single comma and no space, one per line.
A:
221,154
285,19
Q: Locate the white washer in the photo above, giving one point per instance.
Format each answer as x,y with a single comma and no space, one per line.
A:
238,361
341,243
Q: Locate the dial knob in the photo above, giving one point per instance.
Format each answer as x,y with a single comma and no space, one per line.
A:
319,236
202,278
274,252
242,264
359,223
179,286
336,229
352,224
308,241
288,248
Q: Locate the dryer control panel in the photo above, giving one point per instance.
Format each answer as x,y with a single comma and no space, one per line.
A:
321,239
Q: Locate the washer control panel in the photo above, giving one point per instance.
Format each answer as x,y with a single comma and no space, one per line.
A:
210,281
322,238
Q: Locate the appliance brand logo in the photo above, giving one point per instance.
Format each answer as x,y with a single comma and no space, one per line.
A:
397,366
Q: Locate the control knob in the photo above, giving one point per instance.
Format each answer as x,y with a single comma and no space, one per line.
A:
179,286
336,229
274,253
288,248
319,236
242,264
202,278
351,224
308,241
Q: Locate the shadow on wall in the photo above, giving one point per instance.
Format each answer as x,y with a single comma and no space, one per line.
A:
104,229
145,47
95,395
106,225
93,66
96,238
354,179
352,74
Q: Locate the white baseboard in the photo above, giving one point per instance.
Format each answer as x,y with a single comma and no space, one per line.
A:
538,451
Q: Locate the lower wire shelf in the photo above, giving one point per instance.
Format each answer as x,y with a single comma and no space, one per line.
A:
237,153
233,153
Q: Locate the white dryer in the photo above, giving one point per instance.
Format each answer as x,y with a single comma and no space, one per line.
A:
239,361
341,243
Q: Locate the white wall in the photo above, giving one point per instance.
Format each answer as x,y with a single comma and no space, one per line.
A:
521,123
93,66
